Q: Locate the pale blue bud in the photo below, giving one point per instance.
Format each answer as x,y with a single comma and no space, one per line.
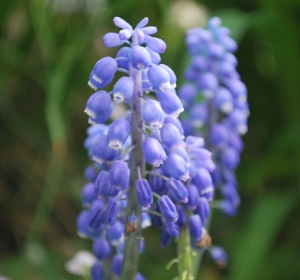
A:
112,39
123,89
140,57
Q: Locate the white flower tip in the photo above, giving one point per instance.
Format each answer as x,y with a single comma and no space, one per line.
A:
99,160
91,85
242,129
118,97
97,79
90,113
226,107
115,144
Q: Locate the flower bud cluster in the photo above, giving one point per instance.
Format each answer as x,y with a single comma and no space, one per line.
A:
179,187
221,115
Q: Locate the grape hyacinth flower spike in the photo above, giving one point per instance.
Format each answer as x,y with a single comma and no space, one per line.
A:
122,193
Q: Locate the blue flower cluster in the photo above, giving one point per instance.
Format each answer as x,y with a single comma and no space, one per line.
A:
180,178
221,112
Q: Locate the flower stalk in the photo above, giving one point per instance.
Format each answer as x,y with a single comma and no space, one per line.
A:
132,240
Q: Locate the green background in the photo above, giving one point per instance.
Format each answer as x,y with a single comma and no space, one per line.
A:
46,54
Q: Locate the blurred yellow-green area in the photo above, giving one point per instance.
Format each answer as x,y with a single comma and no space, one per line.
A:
47,50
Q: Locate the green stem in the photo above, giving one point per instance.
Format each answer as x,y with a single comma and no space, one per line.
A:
184,254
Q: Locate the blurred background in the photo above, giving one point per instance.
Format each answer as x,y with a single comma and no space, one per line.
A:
47,49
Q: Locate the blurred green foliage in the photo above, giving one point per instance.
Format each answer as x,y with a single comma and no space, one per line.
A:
46,53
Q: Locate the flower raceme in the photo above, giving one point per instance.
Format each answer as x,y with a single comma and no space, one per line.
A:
177,185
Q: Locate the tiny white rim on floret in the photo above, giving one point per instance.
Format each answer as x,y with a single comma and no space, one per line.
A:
165,86
92,122
197,123
146,223
90,113
99,160
185,177
157,163
226,107
118,97
242,129
185,200
242,98
208,93
82,235
140,66
97,79
176,146
177,112
115,144
92,86
156,125
173,86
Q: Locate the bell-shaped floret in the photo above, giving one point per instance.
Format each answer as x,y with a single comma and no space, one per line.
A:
171,136
124,54
112,39
101,151
219,256
111,213
155,57
184,154
88,194
223,100
228,208
102,118
176,167
236,87
144,192
157,184
116,265
230,158
140,36
119,22
203,181
215,50
173,120
153,114
219,135
238,121
193,197
103,187
97,271
208,84
156,220
195,227
82,224
153,152
203,210
90,173
142,23
187,94
177,190
229,44
118,133
125,34
171,228
118,174
94,84
101,249
200,63
149,30
123,89
236,142
167,209
159,78
95,215
229,192
165,238
98,104
140,57
226,68
170,102
172,75
105,69
155,44
198,114
114,233
181,216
